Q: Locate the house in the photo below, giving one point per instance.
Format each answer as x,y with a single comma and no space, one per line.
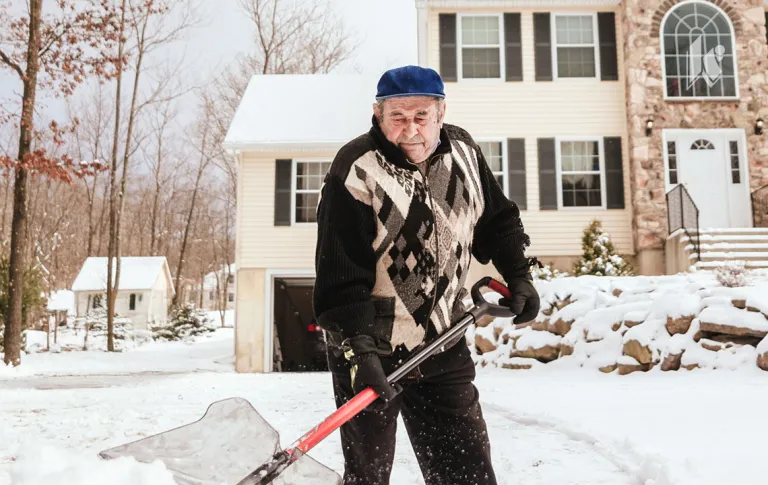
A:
145,289
645,114
215,284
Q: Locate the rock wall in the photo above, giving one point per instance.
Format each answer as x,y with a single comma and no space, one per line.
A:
645,99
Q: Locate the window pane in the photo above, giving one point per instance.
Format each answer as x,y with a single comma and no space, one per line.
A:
480,63
581,191
306,207
575,62
479,30
673,177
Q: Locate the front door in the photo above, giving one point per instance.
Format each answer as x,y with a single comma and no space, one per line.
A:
710,163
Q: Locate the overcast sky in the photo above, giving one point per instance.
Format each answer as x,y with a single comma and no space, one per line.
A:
384,29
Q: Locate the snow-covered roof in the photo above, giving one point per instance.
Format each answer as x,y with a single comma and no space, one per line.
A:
136,273
312,110
62,301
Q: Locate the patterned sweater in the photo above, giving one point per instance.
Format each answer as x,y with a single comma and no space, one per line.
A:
394,245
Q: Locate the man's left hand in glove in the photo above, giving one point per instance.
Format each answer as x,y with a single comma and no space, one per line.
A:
524,302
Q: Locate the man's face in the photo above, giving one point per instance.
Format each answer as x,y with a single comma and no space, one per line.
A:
412,123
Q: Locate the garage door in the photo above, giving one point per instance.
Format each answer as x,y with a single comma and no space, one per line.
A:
299,344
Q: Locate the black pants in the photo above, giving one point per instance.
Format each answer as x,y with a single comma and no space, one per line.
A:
442,415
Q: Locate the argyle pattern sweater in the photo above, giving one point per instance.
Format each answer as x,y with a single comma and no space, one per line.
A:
394,244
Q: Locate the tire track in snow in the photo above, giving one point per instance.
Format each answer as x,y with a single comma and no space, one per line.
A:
640,468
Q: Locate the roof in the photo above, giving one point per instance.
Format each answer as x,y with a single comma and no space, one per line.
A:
136,273
62,301
315,110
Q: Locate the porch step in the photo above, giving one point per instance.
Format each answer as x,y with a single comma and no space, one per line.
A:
719,246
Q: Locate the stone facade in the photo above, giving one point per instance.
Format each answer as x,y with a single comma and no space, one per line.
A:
645,100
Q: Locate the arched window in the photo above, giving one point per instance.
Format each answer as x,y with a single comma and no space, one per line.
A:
702,144
699,53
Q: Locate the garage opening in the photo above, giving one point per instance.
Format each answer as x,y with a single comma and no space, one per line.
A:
299,344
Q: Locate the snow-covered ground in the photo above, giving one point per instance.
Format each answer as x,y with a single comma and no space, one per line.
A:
547,425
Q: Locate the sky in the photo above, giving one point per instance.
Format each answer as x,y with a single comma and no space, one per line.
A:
385,31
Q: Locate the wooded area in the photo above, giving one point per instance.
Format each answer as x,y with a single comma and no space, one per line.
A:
136,168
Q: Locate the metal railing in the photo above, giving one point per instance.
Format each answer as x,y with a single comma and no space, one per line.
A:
760,207
682,213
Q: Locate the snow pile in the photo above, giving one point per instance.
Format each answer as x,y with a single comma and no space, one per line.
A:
62,301
67,468
627,324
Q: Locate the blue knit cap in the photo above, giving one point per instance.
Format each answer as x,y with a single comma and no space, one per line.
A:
410,81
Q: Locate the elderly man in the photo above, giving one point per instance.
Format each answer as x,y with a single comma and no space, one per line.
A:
404,208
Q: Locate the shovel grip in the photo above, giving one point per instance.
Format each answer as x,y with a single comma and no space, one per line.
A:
346,412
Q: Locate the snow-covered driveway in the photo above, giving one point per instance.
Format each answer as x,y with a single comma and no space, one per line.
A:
547,426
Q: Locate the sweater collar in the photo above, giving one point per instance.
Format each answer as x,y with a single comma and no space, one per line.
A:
395,155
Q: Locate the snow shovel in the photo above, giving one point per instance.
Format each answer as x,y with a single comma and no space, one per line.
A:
221,447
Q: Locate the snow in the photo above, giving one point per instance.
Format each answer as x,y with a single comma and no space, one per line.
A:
677,304
546,426
267,115
733,317
533,340
762,347
62,301
136,273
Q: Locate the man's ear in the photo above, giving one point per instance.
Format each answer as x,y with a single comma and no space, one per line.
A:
442,114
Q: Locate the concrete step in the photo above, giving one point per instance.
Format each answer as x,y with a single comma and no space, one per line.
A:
732,256
731,231
717,264
726,246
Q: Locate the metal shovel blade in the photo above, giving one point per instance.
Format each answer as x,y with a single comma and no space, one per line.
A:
222,447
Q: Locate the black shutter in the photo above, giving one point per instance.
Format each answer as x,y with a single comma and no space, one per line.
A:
448,69
514,47
606,27
614,173
283,174
547,174
766,24
516,171
542,51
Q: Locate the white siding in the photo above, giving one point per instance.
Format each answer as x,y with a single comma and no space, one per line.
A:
529,109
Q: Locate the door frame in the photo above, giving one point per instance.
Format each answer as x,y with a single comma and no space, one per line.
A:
671,134
269,307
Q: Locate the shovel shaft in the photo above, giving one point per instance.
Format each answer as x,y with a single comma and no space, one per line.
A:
346,412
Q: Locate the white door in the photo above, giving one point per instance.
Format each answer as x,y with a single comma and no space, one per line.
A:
702,167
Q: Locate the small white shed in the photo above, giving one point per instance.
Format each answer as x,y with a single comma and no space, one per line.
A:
144,293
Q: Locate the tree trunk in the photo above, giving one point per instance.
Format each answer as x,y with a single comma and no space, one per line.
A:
112,250
13,322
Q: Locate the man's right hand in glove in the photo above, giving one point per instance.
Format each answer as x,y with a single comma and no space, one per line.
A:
363,353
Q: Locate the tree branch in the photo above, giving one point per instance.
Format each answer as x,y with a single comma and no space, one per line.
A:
7,60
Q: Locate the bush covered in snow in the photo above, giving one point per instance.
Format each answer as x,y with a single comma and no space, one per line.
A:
547,272
733,274
599,257
124,335
186,321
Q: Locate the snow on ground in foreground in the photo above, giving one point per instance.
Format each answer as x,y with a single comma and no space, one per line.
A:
547,425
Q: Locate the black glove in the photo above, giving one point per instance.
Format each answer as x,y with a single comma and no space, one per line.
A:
363,352
524,301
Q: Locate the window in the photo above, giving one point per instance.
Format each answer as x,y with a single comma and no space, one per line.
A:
494,156
132,302
230,279
96,301
672,162
575,45
308,182
580,175
231,297
210,295
702,145
698,50
480,41
735,172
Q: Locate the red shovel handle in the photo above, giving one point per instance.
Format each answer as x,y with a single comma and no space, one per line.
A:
499,288
348,411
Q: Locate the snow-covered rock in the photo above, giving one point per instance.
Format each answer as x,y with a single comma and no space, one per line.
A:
732,321
762,354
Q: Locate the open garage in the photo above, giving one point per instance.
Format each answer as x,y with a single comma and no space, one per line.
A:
299,344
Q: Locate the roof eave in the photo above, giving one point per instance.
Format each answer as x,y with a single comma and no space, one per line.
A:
284,146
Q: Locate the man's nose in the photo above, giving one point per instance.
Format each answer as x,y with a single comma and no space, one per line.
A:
411,129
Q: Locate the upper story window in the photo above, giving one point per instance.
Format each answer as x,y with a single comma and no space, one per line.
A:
575,45
480,46
698,49
307,185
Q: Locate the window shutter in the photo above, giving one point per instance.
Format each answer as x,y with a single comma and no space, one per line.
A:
516,171
283,174
547,174
606,26
614,173
766,23
542,40
448,69
514,47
